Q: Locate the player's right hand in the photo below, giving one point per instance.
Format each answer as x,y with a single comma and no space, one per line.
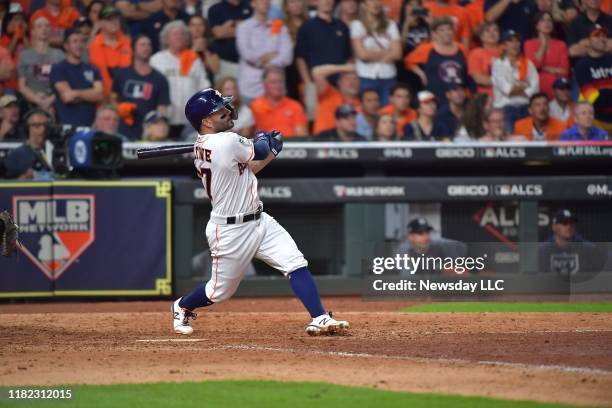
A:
275,140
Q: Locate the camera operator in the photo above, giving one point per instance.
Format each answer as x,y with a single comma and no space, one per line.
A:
25,161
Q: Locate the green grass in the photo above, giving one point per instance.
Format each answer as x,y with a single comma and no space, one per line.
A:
497,307
264,394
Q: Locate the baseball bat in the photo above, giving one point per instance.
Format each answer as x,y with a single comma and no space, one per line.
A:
160,151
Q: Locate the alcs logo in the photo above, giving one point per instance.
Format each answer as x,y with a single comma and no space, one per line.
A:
55,230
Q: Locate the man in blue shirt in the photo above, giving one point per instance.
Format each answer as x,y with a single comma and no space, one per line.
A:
583,129
223,18
322,40
77,86
514,15
450,114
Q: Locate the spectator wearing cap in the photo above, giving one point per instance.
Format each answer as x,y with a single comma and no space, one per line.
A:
548,54
385,129
562,106
581,28
245,123
30,157
449,116
34,66
60,16
567,253
77,85
494,126
184,71
512,15
136,12
223,18
156,127
459,15
440,62
322,40
424,128
274,110
539,126
152,27
419,242
366,119
515,79
261,43
346,126
110,49
480,59
329,97
399,107
139,89
9,114
584,129
593,74
377,46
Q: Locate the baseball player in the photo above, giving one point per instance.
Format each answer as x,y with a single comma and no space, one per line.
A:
238,229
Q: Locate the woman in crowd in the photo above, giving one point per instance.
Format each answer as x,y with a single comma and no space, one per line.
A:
245,123
385,128
200,45
377,45
515,79
295,12
481,58
473,117
549,55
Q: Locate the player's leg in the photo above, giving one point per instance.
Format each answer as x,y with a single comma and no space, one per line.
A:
231,248
278,249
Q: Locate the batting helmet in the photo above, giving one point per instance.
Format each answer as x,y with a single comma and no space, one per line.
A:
205,103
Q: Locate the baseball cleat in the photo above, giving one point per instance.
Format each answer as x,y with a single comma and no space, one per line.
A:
181,318
326,324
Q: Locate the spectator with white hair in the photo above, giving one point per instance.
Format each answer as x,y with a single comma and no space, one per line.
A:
583,129
182,68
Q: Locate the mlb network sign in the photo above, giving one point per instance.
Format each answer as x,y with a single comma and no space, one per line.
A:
55,230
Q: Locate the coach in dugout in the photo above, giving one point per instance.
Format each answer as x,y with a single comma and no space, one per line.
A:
419,243
566,252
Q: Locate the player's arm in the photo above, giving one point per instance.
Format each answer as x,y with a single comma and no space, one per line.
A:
257,165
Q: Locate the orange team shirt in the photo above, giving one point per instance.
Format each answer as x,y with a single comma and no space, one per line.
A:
327,103
65,19
554,127
475,13
285,116
457,14
408,116
479,62
105,57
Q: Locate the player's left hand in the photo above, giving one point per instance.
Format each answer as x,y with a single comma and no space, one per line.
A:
275,140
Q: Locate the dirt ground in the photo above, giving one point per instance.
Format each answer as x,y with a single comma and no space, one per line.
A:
554,357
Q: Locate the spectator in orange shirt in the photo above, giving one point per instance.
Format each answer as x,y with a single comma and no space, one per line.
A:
480,59
458,15
539,126
330,97
111,48
60,17
548,55
274,110
14,37
475,13
393,9
399,107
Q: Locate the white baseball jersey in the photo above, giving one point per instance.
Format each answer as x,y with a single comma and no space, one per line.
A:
221,160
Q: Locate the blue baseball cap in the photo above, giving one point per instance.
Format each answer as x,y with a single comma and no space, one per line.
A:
562,83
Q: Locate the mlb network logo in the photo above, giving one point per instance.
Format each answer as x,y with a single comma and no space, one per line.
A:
55,230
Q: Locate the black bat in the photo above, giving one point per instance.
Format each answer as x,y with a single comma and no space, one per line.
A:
160,151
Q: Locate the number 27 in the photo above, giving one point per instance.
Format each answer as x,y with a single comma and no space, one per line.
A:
206,174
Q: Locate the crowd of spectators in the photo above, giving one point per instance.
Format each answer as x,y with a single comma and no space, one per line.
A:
345,70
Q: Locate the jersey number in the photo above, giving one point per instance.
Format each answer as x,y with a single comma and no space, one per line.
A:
206,174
